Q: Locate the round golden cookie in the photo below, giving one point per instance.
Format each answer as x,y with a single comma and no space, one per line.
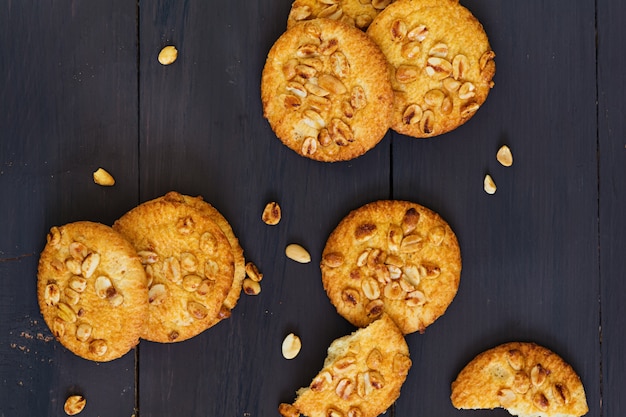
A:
362,375
189,264
92,290
524,378
240,264
394,257
442,64
325,90
359,13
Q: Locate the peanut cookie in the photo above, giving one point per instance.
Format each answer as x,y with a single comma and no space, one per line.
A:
92,290
362,375
326,92
359,13
524,378
240,263
189,264
394,257
442,64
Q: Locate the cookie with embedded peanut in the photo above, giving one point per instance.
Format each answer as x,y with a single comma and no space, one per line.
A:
394,257
326,92
240,264
443,64
359,13
189,263
524,378
92,290
362,375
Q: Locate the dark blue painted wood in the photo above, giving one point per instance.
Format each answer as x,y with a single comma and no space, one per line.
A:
542,257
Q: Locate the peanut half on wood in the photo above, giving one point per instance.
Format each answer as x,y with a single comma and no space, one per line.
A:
291,346
271,214
489,185
168,55
504,156
74,404
297,253
102,177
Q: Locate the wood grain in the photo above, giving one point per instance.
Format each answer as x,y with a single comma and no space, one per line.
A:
542,258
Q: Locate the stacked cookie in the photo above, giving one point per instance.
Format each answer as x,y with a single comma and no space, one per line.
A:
166,271
331,91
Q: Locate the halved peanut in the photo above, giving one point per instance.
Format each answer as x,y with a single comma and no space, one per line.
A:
504,156
297,253
74,404
291,346
168,55
489,185
251,287
102,177
271,213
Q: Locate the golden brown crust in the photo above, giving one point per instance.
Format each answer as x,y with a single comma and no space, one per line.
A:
362,375
359,13
524,378
240,273
92,290
325,91
189,263
392,256
442,64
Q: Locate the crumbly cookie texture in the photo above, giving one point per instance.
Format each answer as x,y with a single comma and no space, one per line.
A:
326,92
92,290
362,375
394,257
238,257
189,263
442,64
359,13
524,378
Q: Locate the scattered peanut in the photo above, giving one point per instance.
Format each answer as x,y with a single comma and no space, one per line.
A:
271,214
504,156
489,185
102,177
253,272
251,287
291,346
297,253
74,404
168,55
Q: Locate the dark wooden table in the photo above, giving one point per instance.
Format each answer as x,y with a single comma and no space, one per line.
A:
544,258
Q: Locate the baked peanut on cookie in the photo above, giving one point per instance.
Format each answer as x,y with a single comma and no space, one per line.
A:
394,257
325,91
524,378
359,13
442,64
362,375
189,263
92,290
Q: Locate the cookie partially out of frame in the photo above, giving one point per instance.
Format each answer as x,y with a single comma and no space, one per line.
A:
442,64
524,378
325,90
92,290
394,257
189,263
362,375
359,13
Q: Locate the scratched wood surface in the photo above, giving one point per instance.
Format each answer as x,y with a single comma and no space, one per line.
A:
542,258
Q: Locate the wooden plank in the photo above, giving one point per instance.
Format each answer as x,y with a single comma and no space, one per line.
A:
612,171
69,104
530,269
202,132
